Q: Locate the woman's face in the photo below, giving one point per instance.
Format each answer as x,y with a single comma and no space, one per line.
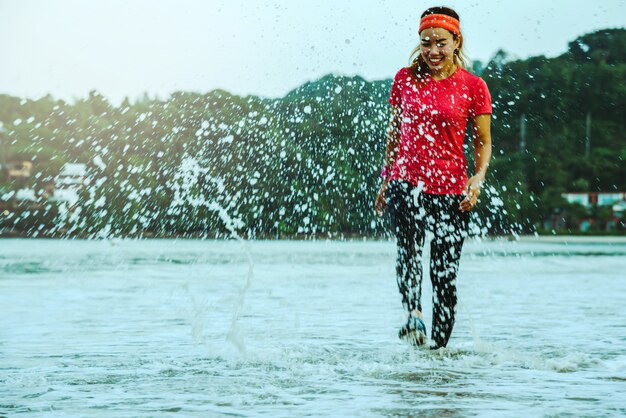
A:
438,46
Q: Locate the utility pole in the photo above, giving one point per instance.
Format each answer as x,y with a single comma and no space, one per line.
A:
522,133
588,136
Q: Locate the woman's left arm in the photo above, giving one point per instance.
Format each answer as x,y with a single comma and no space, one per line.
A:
481,139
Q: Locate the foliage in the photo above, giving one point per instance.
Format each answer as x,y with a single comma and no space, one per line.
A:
307,164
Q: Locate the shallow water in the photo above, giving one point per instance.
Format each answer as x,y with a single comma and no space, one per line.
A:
283,328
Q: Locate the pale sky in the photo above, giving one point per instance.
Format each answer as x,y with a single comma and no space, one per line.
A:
267,48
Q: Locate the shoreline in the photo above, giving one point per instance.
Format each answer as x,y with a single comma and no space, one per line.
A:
565,239
530,238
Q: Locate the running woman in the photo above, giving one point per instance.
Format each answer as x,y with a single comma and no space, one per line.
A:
425,183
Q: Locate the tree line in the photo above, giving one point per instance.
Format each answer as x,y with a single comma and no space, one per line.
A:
308,164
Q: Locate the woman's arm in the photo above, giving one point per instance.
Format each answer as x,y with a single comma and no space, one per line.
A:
391,153
481,139
393,137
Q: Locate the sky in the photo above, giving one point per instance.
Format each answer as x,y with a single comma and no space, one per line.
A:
123,48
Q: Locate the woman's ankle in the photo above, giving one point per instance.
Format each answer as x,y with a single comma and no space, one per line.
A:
416,313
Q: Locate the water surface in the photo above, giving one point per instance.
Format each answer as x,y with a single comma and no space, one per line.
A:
283,328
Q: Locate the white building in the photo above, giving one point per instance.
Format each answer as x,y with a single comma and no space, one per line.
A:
72,175
25,195
580,198
68,183
606,199
589,199
619,208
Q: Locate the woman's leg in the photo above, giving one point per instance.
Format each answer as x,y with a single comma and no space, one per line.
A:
407,225
450,230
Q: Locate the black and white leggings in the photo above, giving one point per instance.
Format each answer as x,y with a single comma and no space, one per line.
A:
413,213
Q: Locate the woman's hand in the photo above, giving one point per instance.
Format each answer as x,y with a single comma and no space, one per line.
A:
472,191
481,139
380,198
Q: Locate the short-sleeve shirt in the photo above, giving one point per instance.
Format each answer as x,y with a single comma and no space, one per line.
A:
434,119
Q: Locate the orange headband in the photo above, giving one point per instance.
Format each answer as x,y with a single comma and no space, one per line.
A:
440,21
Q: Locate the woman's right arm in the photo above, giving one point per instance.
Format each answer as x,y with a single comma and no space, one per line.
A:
391,153
393,137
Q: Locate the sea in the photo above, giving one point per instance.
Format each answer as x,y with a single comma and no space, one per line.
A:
251,328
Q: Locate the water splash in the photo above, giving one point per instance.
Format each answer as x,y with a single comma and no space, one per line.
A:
303,166
190,185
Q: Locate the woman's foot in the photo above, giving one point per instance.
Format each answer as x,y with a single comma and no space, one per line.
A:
414,331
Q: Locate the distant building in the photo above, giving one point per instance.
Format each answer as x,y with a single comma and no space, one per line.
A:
72,175
619,208
67,187
615,200
19,170
589,199
25,195
69,182
608,199
580,198
66,195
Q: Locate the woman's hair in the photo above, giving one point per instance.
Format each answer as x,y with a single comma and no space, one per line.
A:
416,60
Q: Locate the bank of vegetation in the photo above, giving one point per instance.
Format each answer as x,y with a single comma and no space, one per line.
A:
308,164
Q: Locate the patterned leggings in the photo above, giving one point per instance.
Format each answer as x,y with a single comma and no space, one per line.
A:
412,213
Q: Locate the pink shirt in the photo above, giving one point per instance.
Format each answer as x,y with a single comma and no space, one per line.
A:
434,119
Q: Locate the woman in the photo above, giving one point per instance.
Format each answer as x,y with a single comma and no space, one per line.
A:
425,183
